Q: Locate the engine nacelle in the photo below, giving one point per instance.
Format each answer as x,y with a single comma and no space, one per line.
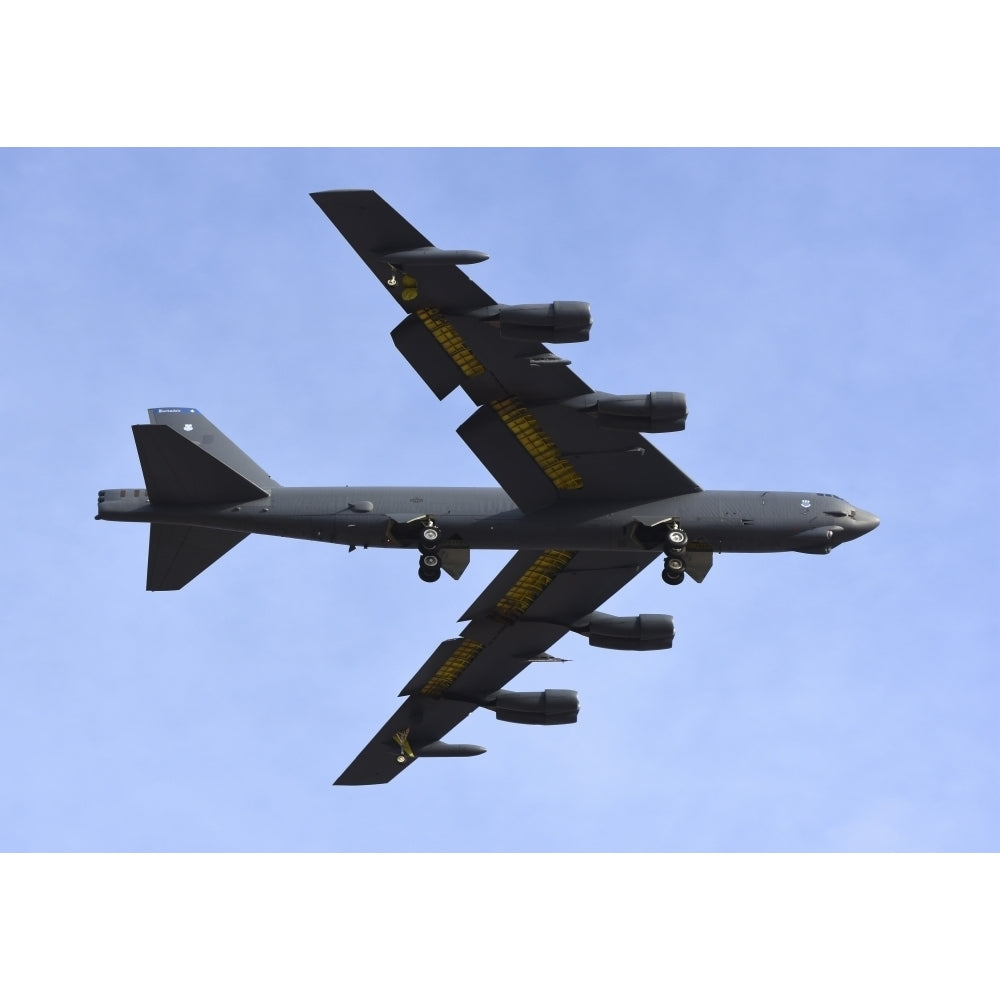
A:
654,412
553,322
639,633
534,708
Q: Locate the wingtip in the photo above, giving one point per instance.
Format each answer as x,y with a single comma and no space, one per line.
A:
334,192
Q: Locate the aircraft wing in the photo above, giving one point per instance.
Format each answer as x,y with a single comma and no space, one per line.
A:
532,603
535,426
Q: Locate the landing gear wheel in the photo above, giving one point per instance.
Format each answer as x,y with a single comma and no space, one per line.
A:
429,539
430,568
673,570
677,539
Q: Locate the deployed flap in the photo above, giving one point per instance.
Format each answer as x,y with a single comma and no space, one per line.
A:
178,553
526,478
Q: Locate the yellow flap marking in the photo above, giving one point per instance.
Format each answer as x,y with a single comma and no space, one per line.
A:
529,587
452,668
523,425
446,335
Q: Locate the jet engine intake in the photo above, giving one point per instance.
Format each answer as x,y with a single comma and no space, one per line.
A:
639,633
534,708
553,322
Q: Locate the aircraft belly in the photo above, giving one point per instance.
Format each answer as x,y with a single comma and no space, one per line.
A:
530,532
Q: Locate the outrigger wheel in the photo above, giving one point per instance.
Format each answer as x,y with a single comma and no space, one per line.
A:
402,740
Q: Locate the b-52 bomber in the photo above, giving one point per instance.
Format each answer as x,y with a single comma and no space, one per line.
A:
584,499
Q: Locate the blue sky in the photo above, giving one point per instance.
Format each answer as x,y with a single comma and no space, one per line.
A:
832,317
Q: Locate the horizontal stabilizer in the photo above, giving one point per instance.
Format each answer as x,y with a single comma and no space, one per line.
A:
179,471
178,553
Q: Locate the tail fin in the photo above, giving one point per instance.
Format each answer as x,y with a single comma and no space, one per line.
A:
186,459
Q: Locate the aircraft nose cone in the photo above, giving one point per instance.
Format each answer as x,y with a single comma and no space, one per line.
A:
865,521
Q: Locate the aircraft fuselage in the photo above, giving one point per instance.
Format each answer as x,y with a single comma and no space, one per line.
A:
486,518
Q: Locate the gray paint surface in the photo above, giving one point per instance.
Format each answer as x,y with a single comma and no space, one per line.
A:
585,500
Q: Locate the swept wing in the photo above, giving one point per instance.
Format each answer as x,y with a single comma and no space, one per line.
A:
532,603
534,430
533,427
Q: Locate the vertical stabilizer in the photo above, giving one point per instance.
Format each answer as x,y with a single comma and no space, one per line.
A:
187,460
196,427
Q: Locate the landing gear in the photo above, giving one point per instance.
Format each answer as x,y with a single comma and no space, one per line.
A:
674,549
430,568
676,539
402,740
430,562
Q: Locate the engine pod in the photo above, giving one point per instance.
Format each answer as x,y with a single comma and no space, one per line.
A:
643,632
652,412
534,708
551,322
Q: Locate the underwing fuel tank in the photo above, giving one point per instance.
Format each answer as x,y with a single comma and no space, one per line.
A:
433,257
441,749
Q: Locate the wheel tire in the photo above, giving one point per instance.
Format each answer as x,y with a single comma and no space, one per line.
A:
429,540
430,561
675,564
677,539
429,575
669,576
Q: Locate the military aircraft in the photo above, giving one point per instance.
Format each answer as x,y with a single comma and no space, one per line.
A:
584,499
